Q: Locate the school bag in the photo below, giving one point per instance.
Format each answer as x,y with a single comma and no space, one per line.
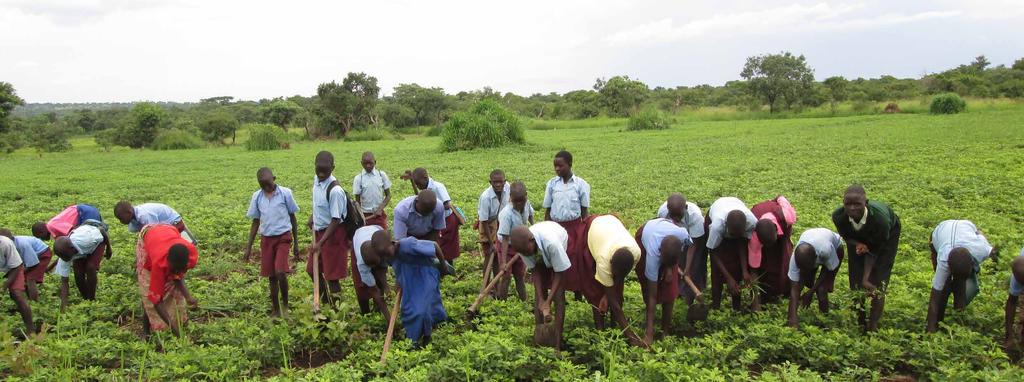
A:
353,217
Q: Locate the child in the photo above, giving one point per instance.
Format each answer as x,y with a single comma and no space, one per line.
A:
688,215
419,266
330,206
769,250
272,209
82,250
372,190
542,247
162,256
60,225
492,200
370,278
661,246
817,247
518,212
567,202
14,273
613,252
729,226
136,217
448,238
1015,291
35,255
958,249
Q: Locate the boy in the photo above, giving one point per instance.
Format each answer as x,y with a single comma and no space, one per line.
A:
662,243
958,249
613,253
419,216
35,256
770,248
518,212
729,225
82,250
372,189
162,256
136,217
1015,290
14,273
688,215
492,200
419,266
60,225
448,237
817,247
272,209
872,233
567,202
330,207
542,247
370,278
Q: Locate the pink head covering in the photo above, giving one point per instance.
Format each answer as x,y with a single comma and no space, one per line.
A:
754,246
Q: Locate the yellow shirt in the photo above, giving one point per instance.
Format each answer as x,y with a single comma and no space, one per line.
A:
607,235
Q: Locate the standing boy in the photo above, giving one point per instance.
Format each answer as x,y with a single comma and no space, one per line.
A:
518,212
872,233
272,209
14,273
817,248
372,190
958,249
82,250
492,200
567,202
331,242
35,256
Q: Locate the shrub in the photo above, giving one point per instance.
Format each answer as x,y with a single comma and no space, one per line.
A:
9,142
217,126
106,139
948,103
264,137
648,119
486,124
50,138
175,139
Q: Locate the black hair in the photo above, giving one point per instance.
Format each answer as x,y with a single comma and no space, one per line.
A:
177,256
325,157
566,156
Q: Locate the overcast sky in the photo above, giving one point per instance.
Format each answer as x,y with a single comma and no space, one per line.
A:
184,50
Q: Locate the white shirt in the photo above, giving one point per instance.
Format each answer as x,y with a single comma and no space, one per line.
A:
952,234
552,241
9,257
826,245
719,211
490,205
369,187
363,235
442,194
693,220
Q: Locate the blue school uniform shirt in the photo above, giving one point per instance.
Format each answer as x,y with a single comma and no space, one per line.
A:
325,209
1016,287
274,211
408,222
29,247
442,194
85,239
566,199
693,220
654,232
826,245
552,241
509,218
153,213
953,234
363,235
490,205
416,271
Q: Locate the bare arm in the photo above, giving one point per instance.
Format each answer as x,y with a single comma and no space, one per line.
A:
547,214
180,284
384,204
252,237
584,211
651,300
933,310
106,243
794,295
295,236
733,287
63,293
1010,314
869,265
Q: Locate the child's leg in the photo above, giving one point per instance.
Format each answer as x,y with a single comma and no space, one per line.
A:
21,302
33,290
80,281
282,280
90,276
275,308
520,288
666,317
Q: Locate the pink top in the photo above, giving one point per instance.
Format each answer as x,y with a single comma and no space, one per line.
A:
754,245
62,224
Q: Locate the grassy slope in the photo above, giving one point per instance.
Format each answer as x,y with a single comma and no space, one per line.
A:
928,168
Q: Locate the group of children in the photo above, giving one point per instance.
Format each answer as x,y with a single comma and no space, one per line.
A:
752,252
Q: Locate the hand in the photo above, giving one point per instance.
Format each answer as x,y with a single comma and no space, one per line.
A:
248,255
192,302
862,248
805,300
108,254
314,249
545,311
868,285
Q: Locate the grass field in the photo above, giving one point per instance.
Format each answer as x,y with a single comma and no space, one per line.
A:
928,168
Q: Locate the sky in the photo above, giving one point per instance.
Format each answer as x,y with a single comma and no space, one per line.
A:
185,50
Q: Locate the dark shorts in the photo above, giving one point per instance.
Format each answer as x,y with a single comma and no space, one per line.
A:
884,260
381,220
38,272
274,254
91,262
449,238
18,274
333,255
828,280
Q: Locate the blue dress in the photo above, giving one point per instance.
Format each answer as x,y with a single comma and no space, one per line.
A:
416,271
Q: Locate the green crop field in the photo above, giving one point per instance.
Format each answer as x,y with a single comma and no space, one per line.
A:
928,168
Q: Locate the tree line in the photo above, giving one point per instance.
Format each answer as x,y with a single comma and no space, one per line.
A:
781,82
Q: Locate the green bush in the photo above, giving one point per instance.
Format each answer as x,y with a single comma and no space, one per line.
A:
372,134
106,139
648,119
175,139
486,124
948,103
264,137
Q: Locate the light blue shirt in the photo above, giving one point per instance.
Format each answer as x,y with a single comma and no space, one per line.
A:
693,219
325,209
363,235
274,212
9,256
1016,287
29,247
369,187
655,231
826,245
509,218
552,241
566,199
490,204
153,213
718,212
85,239
442,194
409,222
952,234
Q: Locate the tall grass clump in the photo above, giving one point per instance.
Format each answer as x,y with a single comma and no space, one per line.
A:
264,137
175,139
648,119
486,124
948,103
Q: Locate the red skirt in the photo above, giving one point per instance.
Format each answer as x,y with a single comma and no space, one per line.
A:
774,268
38,272
449,238
18,276
580,275
668,289
333,255
380,220
362,290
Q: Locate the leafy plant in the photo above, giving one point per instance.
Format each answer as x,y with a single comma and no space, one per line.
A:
266,137
486,124
648,119
175,139
947,103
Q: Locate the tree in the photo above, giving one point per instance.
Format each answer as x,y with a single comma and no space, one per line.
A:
217,126
48,136
980,63
427,103
222,100
1018,65
835,89
146,119
779,77
281,113
583,103
8,100
396,114
347,105
620,95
